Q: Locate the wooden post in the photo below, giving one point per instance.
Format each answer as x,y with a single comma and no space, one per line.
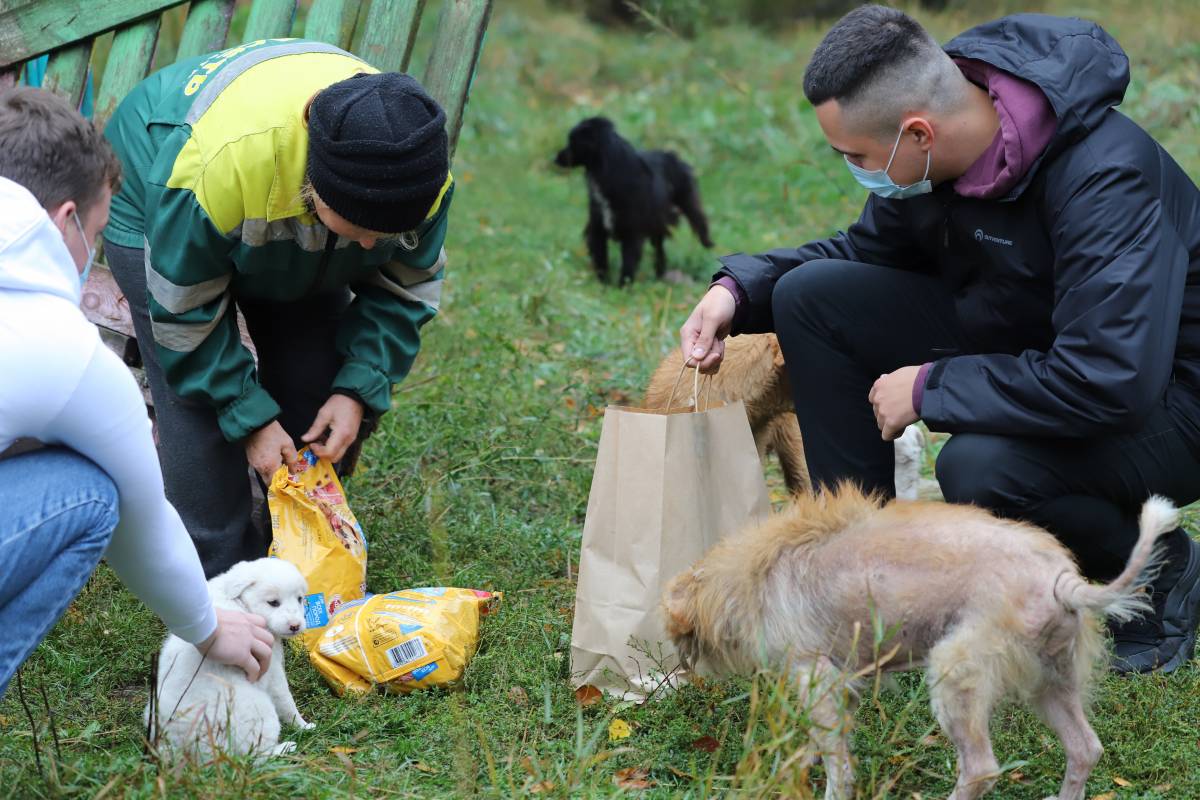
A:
331,21
128,62
66,72
206,28
389,32
270,19
451,65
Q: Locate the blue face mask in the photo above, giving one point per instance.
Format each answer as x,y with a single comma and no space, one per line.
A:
879,182
83,276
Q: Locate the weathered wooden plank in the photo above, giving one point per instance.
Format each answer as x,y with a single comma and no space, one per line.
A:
451,64
270,19
206,28
66,71
388,33
34,28
331,21
128,62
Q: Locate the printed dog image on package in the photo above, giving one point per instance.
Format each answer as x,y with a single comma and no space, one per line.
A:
314,529
402,641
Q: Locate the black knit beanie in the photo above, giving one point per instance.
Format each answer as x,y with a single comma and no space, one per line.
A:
377,150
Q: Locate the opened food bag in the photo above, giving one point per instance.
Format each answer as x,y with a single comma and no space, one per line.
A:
315,529
402,641
669,483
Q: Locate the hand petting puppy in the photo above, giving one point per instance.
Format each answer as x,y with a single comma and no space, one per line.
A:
240,640
891,398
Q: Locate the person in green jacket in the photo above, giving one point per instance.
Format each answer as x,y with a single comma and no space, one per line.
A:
291,181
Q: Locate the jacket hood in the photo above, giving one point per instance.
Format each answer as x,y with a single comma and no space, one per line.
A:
33,255
1080,68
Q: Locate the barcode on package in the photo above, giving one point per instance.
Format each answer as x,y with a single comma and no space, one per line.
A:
406,652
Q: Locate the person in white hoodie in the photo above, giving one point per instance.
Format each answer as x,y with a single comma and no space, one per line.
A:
93,488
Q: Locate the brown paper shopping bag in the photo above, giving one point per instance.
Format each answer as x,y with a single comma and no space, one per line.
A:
668,484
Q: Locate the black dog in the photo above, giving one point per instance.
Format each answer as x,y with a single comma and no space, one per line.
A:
632,196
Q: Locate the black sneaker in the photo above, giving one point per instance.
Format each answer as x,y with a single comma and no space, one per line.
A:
1166,638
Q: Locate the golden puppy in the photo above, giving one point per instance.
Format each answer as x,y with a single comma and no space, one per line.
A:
988,607
753,371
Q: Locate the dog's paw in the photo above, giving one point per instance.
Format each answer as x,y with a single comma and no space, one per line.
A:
283,748
299,722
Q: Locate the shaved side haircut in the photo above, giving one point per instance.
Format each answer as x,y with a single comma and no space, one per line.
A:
879,64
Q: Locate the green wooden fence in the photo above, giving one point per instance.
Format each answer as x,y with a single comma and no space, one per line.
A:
380,31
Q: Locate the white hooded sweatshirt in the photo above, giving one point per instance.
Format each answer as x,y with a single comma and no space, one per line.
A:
60,385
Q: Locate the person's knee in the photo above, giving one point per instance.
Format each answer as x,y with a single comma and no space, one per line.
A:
93,492
979,469
805,290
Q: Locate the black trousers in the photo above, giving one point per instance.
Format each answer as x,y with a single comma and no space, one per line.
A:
207,478
843,324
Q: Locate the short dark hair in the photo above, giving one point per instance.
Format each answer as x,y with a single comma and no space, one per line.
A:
863,43
51,150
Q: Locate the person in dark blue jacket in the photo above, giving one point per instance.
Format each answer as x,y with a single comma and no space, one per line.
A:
1025,275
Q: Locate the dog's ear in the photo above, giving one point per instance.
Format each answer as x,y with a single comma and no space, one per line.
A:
231,585
776,352
679,604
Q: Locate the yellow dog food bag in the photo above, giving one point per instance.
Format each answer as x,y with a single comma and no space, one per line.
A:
403,641
315,529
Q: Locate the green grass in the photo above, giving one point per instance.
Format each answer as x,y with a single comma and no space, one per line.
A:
479,477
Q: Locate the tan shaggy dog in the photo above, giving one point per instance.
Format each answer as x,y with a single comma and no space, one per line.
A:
753,371
988,607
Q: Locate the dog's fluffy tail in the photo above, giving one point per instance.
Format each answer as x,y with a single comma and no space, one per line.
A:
1122,598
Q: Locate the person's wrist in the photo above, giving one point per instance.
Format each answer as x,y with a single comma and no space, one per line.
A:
203,646
725,289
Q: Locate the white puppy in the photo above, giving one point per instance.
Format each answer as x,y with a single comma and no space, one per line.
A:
202,706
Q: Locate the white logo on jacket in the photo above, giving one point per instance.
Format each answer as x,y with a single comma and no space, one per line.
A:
980,236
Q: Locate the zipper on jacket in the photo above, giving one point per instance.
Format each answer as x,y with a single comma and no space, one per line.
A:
323,267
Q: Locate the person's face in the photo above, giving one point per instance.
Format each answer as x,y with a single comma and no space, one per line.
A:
92,221
871,152
344,228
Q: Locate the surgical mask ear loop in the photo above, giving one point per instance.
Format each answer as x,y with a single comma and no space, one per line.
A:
87,268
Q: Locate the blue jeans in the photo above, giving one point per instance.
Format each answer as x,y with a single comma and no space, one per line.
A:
57,513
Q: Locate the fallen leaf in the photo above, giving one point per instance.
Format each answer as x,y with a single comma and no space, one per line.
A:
931,740
1016,776
588,695
1121,782
1106,796
678,773
569,402
633,778
618,729
518,696
706,743
340,749
541,786
1162,788
423,767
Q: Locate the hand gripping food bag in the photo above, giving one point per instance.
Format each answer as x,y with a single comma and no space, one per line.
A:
315,529
403,641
